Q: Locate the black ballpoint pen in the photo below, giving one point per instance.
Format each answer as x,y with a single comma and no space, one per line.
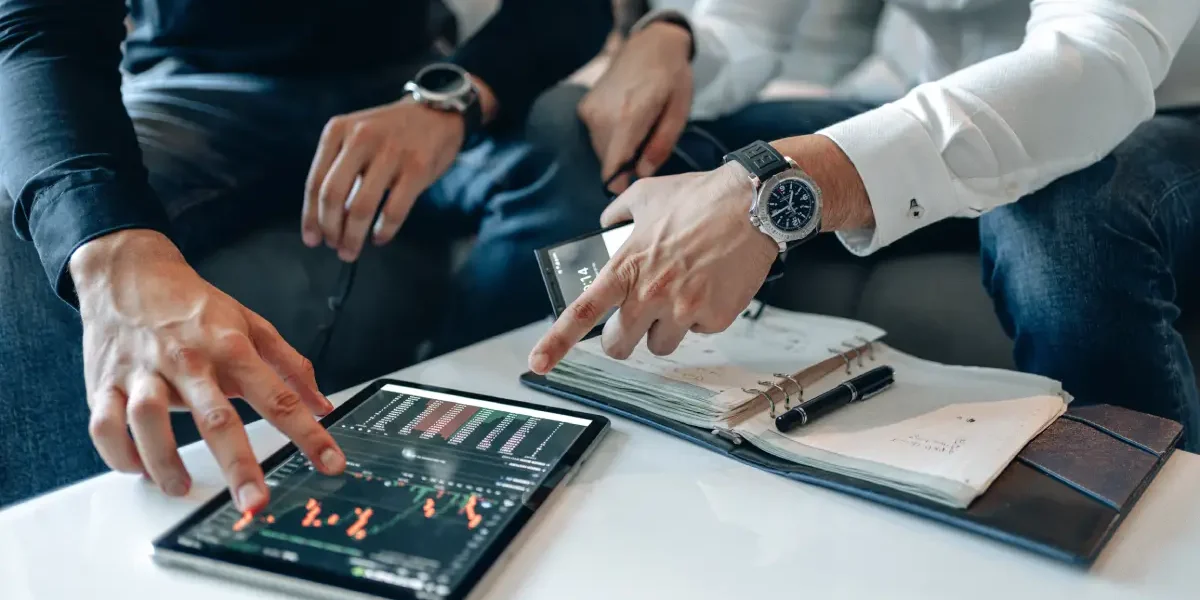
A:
859,388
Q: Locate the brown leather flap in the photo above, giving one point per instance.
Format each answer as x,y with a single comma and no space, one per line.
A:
1102,451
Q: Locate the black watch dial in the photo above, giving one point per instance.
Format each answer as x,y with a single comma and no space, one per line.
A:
792,205
441,80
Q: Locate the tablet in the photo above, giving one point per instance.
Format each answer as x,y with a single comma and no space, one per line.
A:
437,485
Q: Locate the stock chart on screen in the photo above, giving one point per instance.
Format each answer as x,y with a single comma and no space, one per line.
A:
430,477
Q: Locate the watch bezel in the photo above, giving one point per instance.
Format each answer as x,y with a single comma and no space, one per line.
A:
455,99
760,214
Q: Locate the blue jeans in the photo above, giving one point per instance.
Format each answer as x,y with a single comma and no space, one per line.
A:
1087,275
228,155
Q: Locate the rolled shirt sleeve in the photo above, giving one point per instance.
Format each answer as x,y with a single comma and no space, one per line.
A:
68,154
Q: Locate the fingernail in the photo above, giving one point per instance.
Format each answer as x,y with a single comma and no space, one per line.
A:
311,239
645,169
332,460
249,496
539,362
326,406
176,487
347,255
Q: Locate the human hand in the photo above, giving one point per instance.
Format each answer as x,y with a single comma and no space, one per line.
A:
157,336
647,86
399,149
692,263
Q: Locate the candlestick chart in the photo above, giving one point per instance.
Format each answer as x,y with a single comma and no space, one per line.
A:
428,483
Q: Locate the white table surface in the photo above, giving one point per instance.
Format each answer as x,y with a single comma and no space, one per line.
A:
648,516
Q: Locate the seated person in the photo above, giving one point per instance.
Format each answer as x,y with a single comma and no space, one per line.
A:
237,113
1071,129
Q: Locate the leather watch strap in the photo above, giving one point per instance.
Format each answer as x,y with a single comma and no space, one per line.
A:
759,158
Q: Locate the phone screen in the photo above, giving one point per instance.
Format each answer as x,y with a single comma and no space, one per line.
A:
571,267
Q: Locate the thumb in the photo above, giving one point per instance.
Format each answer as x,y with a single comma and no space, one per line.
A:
618,211
666,133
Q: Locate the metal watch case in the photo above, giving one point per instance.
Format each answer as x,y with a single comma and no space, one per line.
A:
455,100
758,206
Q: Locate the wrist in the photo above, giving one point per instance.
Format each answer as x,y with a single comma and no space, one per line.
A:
453,121
486,98
844,201
673,19
672,37
93,260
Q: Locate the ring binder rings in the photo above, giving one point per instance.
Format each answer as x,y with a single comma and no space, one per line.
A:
794,378
1062,492
786,396
843,355
757,393
869,345
857,350
799,389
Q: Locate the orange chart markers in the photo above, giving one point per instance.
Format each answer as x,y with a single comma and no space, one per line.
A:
429,509
314,509
356,530
473,518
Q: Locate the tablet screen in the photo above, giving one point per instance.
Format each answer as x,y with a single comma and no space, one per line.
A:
431,480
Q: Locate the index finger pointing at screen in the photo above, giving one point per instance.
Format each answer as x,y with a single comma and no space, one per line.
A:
607,291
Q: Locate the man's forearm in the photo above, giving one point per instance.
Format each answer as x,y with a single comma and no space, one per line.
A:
68,154
530,45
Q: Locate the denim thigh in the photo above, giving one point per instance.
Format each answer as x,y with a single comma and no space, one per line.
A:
1089,274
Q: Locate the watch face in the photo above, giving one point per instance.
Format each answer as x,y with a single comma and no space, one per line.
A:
792,205
441,80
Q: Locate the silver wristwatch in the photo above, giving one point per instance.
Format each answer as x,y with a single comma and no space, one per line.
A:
447,87
787,202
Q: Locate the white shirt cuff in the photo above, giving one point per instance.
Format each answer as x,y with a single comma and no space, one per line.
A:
904,174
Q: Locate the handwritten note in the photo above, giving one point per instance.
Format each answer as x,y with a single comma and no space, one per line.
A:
939,428
934,445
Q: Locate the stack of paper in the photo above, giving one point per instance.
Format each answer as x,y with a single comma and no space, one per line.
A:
941,432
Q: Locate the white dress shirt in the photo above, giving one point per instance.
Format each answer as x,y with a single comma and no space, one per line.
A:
1001,97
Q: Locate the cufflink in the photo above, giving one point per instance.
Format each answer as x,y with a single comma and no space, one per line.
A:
915,210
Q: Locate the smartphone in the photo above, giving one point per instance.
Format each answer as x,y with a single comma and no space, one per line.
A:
568,268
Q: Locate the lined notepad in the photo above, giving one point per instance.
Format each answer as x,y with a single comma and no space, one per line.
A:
941,432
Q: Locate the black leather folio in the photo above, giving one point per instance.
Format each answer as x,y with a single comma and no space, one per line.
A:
1063,497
